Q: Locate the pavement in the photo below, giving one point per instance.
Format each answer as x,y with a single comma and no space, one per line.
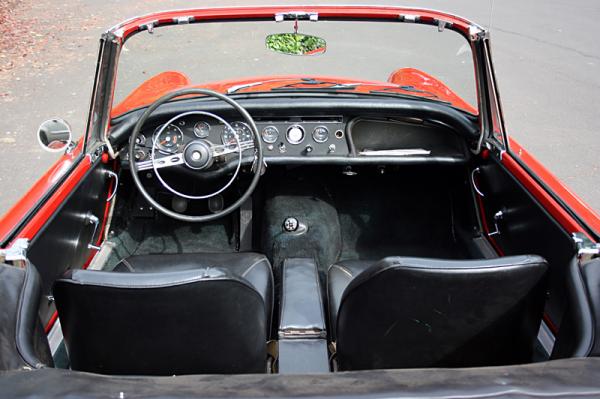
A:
545,52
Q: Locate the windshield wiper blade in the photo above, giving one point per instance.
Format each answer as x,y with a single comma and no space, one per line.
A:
391,93
323,84
410,89
328,89
295,83
303,84
235,88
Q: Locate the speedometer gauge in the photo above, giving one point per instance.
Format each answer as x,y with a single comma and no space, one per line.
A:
169,140
243,131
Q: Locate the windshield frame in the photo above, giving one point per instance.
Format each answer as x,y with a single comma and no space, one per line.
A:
112,42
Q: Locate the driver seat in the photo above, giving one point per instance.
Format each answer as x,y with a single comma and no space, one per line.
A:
169,315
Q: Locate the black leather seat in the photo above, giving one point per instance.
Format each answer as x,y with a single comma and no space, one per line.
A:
413,312
169,314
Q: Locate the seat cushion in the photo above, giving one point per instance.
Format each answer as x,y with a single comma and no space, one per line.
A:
252,267
417,312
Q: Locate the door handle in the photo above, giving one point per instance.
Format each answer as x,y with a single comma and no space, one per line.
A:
112,174
93,219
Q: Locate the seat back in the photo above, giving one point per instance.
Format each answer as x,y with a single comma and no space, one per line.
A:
184,322
412,312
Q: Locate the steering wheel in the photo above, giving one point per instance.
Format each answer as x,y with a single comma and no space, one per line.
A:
198,155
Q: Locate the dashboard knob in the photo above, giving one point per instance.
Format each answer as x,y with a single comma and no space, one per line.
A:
331,148
290,224
282,148
295,134
308,149
140,155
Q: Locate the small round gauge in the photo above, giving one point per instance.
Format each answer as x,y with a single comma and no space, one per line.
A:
201,129
243,131
170,139
295,134
270,134
320,134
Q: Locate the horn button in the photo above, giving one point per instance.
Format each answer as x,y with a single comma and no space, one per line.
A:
198,155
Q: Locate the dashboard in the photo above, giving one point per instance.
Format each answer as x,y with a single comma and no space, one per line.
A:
280,137
315,130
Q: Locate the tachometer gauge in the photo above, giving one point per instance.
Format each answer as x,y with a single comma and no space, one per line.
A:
170,139
270,134
243,131
201,129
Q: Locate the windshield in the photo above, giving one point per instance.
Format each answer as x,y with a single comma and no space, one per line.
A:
388,58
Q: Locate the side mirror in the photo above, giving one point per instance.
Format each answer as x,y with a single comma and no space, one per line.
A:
296,44
54,135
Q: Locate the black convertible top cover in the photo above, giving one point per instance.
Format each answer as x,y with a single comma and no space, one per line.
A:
559,378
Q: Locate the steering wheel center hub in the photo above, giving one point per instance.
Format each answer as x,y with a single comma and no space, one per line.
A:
198,155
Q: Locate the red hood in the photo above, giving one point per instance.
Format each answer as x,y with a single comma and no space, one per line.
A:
403,81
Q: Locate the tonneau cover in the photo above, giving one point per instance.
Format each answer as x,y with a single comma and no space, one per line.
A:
559,378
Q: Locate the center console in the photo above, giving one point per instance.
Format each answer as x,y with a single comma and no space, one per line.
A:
302,332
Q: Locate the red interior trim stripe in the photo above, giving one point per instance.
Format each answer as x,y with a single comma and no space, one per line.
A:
51,322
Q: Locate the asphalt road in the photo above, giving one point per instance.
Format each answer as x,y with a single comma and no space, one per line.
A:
546,55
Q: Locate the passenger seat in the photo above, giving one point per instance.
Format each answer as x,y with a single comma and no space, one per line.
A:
415,312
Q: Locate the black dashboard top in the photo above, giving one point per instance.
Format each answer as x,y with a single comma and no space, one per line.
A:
317,130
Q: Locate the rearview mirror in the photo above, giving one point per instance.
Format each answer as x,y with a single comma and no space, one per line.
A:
296,44
54,135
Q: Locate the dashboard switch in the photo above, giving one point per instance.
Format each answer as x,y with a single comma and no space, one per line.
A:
282,148
331,148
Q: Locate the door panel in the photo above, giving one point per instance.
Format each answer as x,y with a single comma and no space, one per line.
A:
62,242
527,228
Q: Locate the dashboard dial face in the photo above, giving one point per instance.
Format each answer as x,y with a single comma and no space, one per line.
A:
243,131
270,134
320,134
295,134
201,129
170,139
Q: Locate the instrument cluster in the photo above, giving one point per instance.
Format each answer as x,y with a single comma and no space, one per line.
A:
303,137
279,136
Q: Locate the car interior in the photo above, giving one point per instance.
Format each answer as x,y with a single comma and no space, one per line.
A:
296,201
372,238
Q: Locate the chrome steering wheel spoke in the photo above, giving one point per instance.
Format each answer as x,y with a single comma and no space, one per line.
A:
163,162
224,149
